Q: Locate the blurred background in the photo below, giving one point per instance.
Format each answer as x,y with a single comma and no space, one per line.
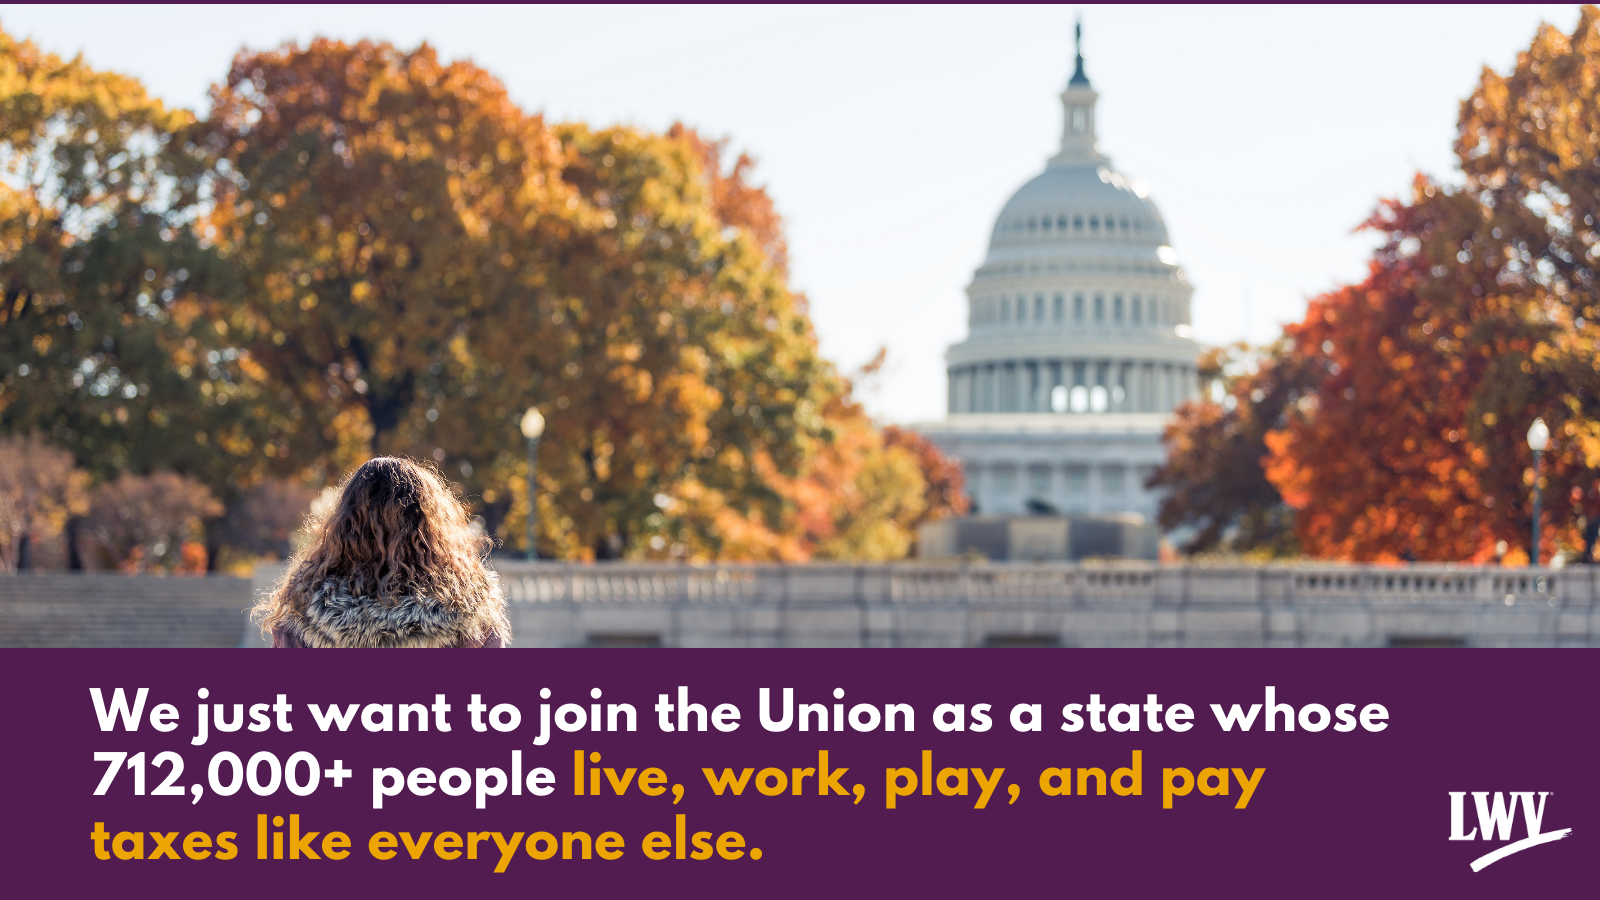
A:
722,252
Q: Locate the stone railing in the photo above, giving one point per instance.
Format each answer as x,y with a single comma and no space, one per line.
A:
894,605
1139,604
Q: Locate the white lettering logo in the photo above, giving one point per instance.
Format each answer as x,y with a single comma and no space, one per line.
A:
1498,819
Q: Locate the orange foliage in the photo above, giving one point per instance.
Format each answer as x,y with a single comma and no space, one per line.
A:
947,490
736,202
148,523
1395,454
1212,481
400,260
1478,316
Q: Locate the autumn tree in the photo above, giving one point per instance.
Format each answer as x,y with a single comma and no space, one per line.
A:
1529,147
40,490
367,250
101,343
1212,486
690,412
419,261
261,524
946,490
1477,317
377,207
1381,459
736,202
151,523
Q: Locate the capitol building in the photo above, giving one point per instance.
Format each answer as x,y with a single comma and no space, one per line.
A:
1078,347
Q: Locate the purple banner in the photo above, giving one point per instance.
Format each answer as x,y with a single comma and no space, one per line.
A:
1108,772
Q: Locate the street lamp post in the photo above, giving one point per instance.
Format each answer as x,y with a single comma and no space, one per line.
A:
1538,439
532,428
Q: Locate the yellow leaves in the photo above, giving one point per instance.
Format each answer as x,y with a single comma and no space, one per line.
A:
640,385
494,263
40,88
1586,441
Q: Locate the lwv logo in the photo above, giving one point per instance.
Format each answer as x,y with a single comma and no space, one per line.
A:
1498,819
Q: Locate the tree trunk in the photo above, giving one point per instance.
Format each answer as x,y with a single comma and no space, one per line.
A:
74,558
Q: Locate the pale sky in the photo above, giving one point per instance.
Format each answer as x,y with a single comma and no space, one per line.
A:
891,137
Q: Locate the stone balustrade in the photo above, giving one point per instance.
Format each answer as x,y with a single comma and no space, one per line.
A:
911,605
893,605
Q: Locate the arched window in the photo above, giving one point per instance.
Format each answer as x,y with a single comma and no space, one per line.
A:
1138,314
1060,307
1022,308
1077,307
1080,120
1099,307
1061,223
1078,399
1038,307
1116,309
1033,225
1099,400
1124,223
1044,224
1058,398
1094,223
1111,225
1077,223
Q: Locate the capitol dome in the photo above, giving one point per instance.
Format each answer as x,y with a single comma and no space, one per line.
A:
1079,343
1074,204
1080,305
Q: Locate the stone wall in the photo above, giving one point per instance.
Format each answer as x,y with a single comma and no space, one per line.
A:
1039,538
103,610
1129,605
896,605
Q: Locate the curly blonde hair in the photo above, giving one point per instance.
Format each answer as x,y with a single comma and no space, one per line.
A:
396,531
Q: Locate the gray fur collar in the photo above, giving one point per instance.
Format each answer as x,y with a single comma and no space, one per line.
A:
333,617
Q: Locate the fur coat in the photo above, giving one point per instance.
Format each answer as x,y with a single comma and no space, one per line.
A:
333,617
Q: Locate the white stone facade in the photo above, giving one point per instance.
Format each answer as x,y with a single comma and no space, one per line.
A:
1078,344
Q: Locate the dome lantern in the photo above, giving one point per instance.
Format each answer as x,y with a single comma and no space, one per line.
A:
1078,142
